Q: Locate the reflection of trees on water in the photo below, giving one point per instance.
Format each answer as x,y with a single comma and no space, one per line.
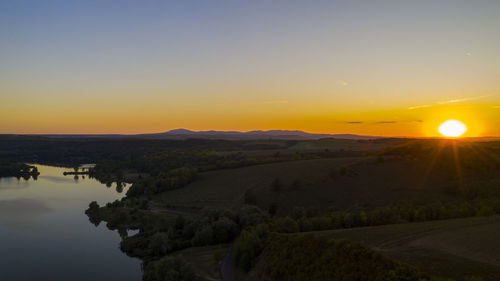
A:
94,215
120,186
27,177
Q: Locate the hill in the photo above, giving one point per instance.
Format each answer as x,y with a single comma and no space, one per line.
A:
421,172
182,134
455,248
251,135
311,183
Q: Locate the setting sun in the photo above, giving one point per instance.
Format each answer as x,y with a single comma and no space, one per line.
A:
452,128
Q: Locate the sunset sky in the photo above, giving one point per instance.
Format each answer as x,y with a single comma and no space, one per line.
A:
391,68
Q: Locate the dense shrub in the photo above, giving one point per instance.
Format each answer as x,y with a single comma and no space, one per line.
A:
306,258
169,269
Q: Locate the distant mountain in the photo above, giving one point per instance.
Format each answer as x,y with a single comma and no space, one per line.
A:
251,135
227,135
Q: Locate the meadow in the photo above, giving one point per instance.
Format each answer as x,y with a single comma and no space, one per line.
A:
458,248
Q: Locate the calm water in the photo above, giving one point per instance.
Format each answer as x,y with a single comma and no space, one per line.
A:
45,235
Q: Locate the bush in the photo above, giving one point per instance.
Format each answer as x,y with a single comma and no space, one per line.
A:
306,257
224,230
204,236
169,269
249,245
160,244
218,255
284,225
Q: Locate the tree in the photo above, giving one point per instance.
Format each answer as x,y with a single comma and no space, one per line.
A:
204,236
224,230
169,269
160,244
179,222
284,225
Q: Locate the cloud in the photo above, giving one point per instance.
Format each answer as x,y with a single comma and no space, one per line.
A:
419,106
342,83
354,122
449,102
464,99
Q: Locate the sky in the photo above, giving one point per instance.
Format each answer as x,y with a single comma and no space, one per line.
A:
389,68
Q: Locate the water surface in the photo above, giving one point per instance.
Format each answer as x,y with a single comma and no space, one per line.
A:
45,235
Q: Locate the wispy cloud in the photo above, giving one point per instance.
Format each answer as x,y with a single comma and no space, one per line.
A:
385,122
419,106
464,99
342,83
449,102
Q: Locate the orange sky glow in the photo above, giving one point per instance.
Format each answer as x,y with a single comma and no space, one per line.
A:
394,68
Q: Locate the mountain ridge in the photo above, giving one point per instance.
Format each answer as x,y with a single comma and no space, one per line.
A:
214,134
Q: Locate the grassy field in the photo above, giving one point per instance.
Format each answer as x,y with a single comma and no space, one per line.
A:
318,183
226,188
457,248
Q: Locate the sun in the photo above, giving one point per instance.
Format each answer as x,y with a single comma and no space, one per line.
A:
452,128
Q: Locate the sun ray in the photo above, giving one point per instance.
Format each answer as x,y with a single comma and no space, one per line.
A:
458,168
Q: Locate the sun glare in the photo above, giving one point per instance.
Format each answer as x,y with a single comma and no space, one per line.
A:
452,128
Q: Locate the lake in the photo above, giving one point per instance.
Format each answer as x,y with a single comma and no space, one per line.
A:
45,234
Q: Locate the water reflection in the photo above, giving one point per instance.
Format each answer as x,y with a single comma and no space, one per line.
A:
47,236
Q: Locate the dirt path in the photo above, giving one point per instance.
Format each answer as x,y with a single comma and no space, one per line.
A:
228,266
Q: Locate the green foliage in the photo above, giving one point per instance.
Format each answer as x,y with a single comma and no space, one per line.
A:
204,236
251,215
219,255
249,245
172,179
399,213
169,269
307,257
224,230
160,244
213,213
15,169
284,225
